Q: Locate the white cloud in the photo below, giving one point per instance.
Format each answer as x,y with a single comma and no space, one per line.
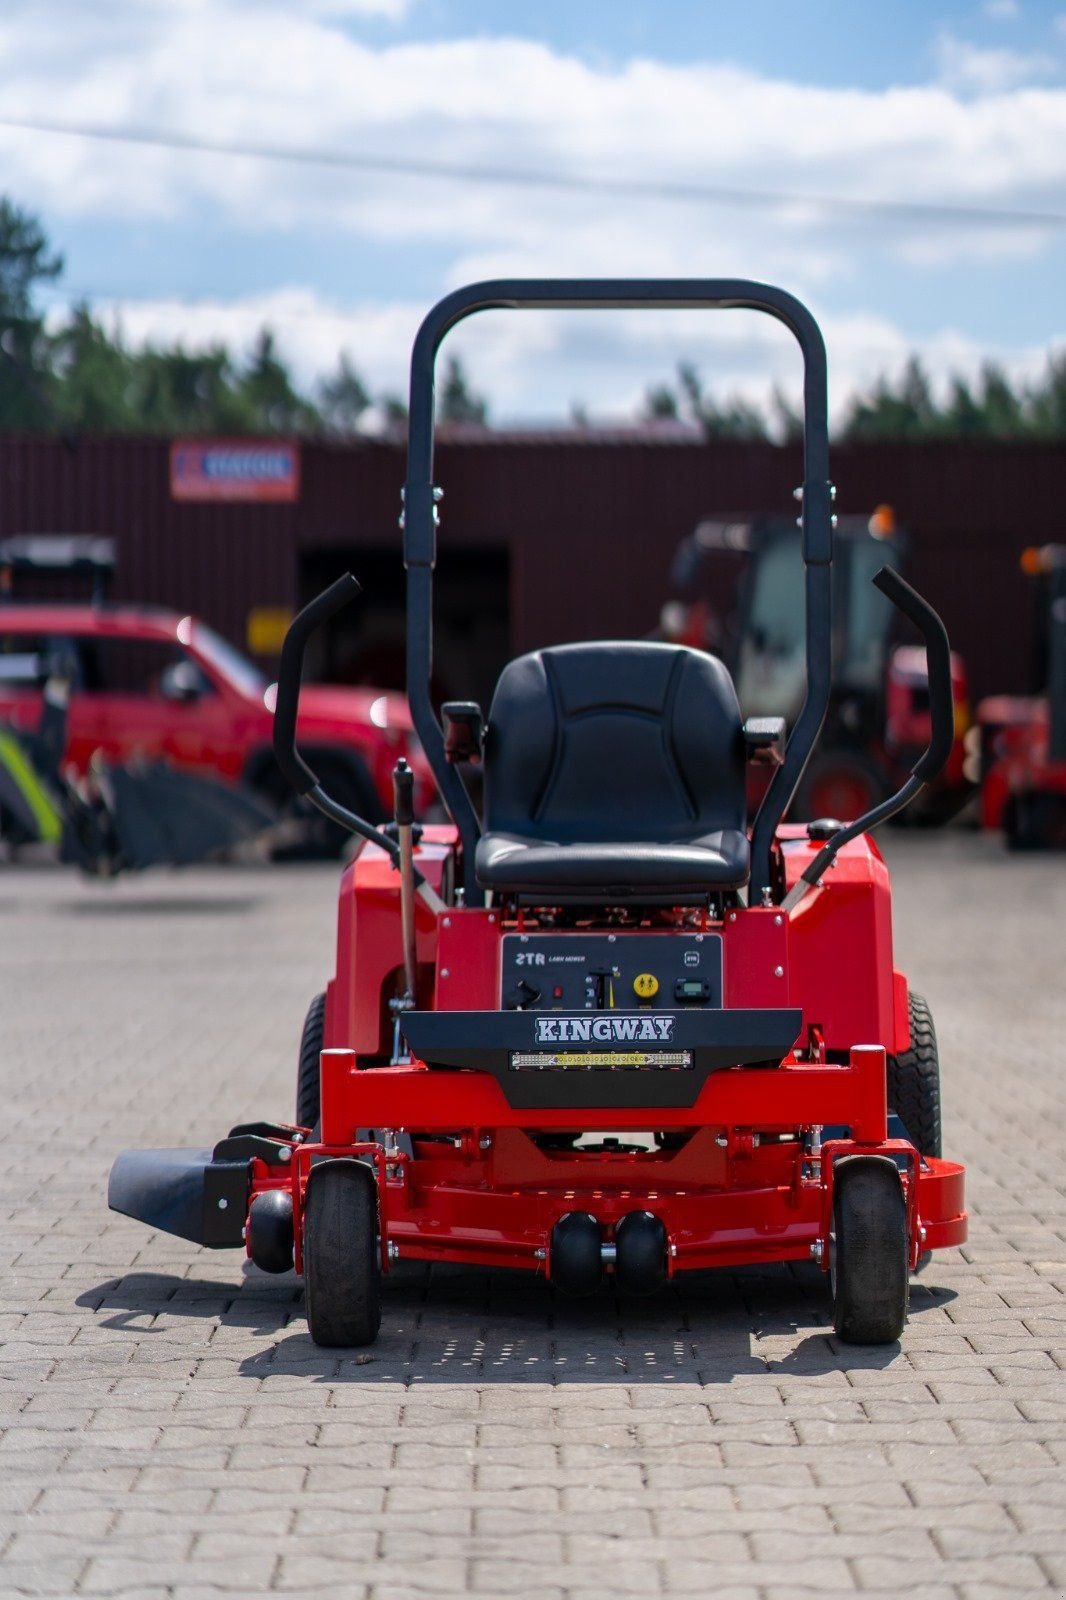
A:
500,101
291,74
969,68
1001,10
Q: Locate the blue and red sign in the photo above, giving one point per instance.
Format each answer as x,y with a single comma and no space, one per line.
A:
234,469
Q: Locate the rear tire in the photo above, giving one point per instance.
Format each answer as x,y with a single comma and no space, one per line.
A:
869,1251
914,1081
341,1258
308,1085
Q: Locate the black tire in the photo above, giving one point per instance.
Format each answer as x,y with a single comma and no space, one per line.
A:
341,1260
344,776
1036,820
832,779
869,1251
308,1093
914,1082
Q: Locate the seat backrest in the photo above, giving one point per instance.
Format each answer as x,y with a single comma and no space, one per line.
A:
614,741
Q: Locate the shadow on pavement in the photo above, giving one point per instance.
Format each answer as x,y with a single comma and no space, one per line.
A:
161,906
448,1325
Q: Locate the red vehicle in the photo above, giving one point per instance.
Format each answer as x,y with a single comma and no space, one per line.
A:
151,683
1022,739
606,1031
735,583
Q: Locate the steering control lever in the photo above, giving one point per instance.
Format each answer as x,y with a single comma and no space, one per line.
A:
942,734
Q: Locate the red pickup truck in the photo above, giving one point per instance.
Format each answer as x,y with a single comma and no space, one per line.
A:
148,682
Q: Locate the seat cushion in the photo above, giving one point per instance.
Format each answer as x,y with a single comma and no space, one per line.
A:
626,870
616,769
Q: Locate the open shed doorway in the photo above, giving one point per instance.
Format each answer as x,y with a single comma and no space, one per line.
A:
365,644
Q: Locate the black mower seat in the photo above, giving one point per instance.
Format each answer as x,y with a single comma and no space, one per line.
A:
614,770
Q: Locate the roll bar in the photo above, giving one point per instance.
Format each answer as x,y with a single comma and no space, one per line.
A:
420,518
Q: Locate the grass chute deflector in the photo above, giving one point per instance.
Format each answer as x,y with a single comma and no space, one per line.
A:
661,1045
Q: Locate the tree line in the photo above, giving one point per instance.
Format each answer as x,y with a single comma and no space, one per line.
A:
78,376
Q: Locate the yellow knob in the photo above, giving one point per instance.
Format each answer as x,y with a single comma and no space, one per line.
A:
646,985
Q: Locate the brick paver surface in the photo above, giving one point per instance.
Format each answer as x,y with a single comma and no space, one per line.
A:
168,1429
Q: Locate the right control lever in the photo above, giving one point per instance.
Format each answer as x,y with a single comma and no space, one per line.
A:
942,735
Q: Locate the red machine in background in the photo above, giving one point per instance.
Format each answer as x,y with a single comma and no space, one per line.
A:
1021,740
735,585
151,684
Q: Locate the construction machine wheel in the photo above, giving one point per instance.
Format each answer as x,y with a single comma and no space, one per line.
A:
838,783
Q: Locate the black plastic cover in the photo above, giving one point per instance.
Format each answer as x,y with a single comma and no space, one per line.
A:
489,1041
183,1192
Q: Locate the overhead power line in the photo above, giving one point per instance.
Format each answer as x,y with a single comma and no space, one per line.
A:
561,182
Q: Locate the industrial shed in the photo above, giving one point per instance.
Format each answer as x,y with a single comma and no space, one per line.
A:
551,535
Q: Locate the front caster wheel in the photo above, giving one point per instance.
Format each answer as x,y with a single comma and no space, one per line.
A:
341,1255
869,1251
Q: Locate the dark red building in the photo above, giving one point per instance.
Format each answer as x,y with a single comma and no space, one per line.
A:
547,537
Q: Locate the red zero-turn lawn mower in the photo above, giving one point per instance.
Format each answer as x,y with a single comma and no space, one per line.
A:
604,1030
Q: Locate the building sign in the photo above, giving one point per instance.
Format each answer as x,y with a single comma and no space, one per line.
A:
234,469
265,629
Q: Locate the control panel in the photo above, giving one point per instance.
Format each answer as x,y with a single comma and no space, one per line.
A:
610,971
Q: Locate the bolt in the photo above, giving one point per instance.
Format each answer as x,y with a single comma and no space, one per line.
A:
732,916
444,972
779,972
778,921
222,1204
393,1250
722,1141
285,1153
816,1249
485,1142
540,1255
447,922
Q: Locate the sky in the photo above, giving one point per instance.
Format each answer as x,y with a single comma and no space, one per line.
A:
901,167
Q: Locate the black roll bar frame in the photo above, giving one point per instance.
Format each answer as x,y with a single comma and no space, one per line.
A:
420,518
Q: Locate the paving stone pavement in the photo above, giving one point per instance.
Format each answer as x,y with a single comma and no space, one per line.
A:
168,1429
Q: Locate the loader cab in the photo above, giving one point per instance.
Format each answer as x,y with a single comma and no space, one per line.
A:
758,611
